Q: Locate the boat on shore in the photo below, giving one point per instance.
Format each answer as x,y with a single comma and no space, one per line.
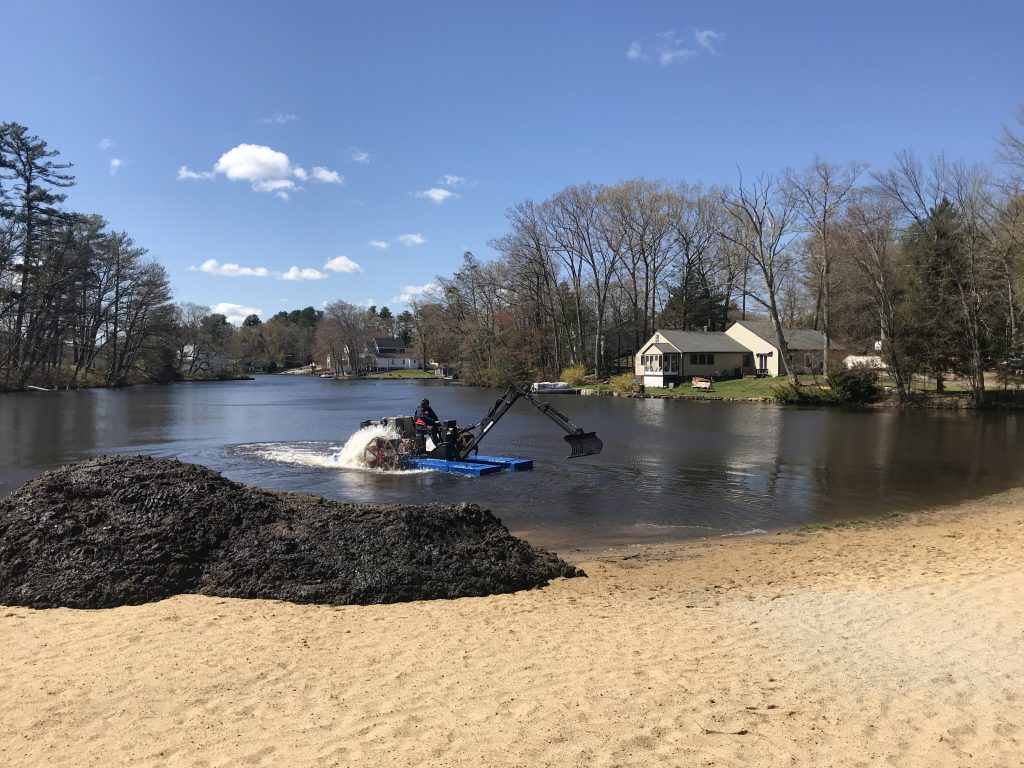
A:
554,388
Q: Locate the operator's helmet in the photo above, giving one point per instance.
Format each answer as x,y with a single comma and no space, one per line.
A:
424,402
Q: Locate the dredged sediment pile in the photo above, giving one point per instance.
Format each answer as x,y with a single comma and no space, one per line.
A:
125,530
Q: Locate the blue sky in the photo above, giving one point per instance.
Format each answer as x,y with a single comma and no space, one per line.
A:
277,155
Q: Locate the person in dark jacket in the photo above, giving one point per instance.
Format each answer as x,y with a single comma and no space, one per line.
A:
426,420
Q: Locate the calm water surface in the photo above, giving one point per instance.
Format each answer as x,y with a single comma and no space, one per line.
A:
669,470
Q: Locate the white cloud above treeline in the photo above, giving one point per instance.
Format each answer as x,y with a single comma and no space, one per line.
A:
382,244
307,273
235,313
436,194
440,194
343,264
337,264
358,155
326,176
266,170
411,239
412,292
214,267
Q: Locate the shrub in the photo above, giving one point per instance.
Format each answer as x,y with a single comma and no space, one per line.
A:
574,374
792,394
854,385
624,384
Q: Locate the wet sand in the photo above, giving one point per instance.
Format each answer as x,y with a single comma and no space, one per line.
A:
900,643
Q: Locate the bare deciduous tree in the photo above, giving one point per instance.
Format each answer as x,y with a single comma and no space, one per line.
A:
819,193
765,220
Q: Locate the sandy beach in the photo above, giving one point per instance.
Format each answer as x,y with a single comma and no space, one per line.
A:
899,643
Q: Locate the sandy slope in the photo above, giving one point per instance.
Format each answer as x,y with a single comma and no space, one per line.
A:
899,645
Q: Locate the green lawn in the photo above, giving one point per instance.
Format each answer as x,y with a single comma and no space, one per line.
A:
737,389
402,374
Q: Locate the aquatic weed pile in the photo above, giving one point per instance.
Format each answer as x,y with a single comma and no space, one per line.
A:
124,530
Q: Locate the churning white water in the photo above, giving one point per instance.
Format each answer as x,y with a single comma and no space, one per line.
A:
353,453
303,454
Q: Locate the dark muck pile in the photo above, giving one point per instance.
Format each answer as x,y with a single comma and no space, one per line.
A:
124,530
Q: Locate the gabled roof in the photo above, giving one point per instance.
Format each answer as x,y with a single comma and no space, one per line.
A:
796,339
701,341
387,342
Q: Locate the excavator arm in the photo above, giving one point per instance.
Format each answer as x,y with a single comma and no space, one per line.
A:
580,443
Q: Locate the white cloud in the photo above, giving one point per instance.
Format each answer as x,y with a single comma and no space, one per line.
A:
436,194
326,175
235,313
105,144
358,155
253,162
115,163
280,187
343,264
185,174
308,273
708,39
266,170
635,50
669,48
379,244
412,292
273,185
412,239
281,118
213,267
452,181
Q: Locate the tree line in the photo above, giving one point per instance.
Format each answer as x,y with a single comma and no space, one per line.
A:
79,303
923,260
84,305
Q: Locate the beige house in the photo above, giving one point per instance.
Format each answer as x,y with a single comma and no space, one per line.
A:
672,357
805,347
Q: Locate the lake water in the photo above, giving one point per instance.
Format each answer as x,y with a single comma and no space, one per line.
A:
669,470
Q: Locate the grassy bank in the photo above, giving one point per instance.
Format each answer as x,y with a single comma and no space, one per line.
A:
400,374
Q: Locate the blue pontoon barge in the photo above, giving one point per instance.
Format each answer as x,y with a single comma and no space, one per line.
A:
450,448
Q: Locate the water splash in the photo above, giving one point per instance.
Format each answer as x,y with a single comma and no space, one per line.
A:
353,453
298,454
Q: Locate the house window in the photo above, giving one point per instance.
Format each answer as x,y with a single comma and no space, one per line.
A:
671,363
652,363
702,358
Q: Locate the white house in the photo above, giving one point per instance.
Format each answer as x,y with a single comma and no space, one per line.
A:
746,347
384,353
671,357
806,347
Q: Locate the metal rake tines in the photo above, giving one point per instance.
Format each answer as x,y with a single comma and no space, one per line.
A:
583,444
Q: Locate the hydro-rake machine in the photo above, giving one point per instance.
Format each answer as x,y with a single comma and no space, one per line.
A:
451,448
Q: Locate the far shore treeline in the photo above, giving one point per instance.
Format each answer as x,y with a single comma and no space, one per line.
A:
921,263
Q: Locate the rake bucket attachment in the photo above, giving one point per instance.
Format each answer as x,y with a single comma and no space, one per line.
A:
583,444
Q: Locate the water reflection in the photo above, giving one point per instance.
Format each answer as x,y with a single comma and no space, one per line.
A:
669,468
